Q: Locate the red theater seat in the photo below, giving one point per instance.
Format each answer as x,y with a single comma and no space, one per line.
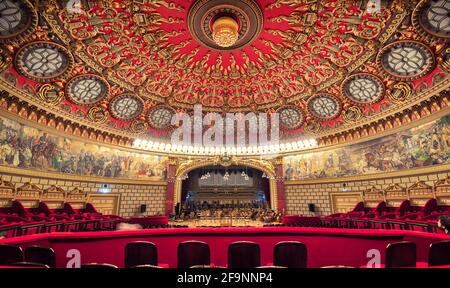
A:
146,267
401,254
193,253
244,254
379,211
439,254
290,254
10,254
42,255
28,265
98,265
141,253
207,267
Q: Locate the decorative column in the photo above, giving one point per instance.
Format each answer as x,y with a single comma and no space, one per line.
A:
171,180
279,176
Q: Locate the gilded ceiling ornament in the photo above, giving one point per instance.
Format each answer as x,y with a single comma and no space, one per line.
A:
138,126
98,115
406,60
444,60
399,93
224,25
50,94
312,127
291,117
18,19
87,89
363,89
160,117
353,114
43,61
324,106
433,17
126,107
5,58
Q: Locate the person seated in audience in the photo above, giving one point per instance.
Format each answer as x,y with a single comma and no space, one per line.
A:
444,224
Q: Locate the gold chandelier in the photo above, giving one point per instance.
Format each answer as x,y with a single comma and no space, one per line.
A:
225,31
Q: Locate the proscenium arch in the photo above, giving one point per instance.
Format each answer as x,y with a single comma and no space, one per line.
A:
265,167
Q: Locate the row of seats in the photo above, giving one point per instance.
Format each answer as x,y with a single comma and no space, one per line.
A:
18,220
18,213
405,217
406,211
242,254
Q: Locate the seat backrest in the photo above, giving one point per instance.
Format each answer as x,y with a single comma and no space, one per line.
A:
10,254
208,267
429,207
290,254
381,207
401,254
439,253
141,253
244,254
337,267
146,267
43,208
405,207
90,208
29,265
18,208
193,253
98,265
42,255
68,209
359,207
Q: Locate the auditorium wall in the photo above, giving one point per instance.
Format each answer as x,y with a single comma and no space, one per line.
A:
129,195
45,158
417,154
300,193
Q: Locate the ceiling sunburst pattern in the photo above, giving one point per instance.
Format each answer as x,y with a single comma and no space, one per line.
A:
142,61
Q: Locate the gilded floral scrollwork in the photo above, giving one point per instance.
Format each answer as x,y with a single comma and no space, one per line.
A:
50,94
353,114
5,58
98,115
399,93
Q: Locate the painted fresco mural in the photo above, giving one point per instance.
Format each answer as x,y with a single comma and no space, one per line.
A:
425,145
26,147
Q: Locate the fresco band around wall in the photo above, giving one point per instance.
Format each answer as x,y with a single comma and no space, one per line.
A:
26,147
422,146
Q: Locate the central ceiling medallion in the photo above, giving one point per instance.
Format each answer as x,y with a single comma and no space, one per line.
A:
225,25
225,31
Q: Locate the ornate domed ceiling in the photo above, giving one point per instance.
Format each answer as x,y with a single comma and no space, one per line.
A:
126,67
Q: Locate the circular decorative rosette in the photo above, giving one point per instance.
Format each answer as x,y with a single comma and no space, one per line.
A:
406,60
245,16
17,17
324,106
160,117
87,89
126,107
291,117
363,89
43,61
433,16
